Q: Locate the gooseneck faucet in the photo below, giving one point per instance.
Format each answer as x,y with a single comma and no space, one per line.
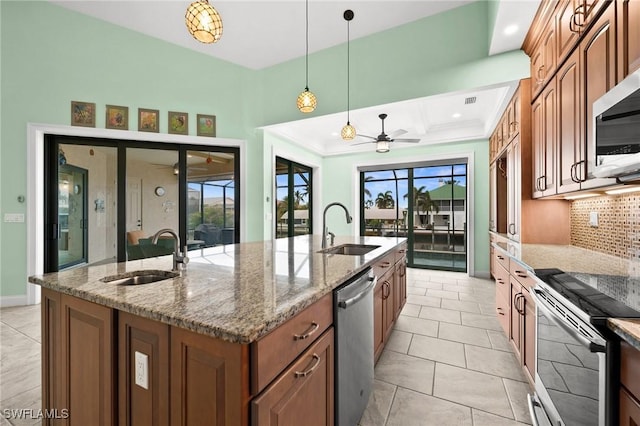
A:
178,258
325,229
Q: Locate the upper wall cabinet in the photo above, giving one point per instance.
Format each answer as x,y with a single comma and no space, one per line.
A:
628,31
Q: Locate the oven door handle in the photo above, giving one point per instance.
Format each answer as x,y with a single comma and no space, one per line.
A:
590,344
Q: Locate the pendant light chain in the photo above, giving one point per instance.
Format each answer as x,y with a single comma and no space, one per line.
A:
348,70
307,44
307,101
348,132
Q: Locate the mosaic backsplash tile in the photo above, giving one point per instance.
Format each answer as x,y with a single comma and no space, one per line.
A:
618,230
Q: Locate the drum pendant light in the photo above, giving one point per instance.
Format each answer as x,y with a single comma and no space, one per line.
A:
348,131
307,101
203,22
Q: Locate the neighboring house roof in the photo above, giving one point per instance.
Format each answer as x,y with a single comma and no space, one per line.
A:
297,214
217,201
444,192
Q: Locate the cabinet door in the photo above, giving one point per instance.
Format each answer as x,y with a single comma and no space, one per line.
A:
549,52
51,356
378,319
302,394
493,199
629,409
598,73
529,335
537,69
568,28
88,366
544,134
143,403
514,188
209,380
628,37
388,303
400,285
569,144
537,147
516,330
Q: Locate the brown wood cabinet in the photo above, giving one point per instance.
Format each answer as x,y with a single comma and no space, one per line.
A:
302,391
543,59
137,405
630,385
628,35
544,134
78,365
569,21
569,139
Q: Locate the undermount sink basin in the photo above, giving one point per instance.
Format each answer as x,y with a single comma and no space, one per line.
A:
139,277
350,249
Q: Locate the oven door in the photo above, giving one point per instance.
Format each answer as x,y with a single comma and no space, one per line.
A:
570,365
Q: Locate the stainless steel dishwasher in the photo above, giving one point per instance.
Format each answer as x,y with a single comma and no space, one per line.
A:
353,322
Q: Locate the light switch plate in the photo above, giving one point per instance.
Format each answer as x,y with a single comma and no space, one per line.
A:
142,370
593,219
14,217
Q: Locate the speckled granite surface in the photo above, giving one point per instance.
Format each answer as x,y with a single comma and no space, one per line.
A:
236,293
628,329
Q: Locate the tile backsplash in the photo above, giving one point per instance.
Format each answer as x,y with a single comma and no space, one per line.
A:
618,230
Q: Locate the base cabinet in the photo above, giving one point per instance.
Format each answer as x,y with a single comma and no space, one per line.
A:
303,391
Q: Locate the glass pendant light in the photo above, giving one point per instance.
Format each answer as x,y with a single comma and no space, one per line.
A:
348,131
307,101
203,22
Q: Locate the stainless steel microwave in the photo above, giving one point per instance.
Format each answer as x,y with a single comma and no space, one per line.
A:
616,118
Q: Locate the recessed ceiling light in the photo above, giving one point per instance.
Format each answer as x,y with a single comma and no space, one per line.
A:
456,115
511,29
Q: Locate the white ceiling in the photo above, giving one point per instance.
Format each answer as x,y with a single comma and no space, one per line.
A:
258,34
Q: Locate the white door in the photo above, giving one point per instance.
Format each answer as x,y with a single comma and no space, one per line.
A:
134,204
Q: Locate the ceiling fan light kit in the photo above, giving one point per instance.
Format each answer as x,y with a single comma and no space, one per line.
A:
348,131
203,22
382,140
307,101
382,146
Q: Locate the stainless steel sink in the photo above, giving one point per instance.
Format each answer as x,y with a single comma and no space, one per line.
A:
350,249
139,277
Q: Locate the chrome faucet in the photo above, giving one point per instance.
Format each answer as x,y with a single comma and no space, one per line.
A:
325,229
178,258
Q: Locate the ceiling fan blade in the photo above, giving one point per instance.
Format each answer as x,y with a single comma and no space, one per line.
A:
366,136
397,133
362,143
407,140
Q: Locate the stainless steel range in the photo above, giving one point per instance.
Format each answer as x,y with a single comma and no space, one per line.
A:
577,356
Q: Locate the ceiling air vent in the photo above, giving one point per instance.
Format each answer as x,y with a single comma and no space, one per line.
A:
470,100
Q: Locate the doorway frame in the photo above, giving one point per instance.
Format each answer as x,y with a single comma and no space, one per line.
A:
410,161
35,180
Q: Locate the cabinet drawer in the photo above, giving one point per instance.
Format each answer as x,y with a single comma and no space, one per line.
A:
519,272
400,252
502,258
502,281
272,353
503,312
630,368
384,265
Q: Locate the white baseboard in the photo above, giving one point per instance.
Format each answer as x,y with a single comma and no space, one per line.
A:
6,301
482,274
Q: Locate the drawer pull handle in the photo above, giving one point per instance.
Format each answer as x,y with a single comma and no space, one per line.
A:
500,257
310,370
385,264
314,327
521,274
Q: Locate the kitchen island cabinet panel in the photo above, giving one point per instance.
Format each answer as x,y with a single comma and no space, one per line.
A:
137,405
303,391
209,380
51,347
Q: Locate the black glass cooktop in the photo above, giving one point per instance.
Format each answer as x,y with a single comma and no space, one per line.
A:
599,296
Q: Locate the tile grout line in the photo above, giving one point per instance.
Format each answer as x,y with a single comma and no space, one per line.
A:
21,332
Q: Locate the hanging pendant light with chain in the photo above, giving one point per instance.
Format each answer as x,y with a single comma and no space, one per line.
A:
348,131
307,101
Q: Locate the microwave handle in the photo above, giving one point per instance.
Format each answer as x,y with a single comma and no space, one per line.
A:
542,305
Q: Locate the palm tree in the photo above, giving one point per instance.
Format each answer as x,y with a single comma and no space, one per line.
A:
298,197
422,201
385,200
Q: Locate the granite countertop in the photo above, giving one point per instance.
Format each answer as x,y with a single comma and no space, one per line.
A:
237,293
628,329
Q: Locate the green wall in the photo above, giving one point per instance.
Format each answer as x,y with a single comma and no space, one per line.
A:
50,56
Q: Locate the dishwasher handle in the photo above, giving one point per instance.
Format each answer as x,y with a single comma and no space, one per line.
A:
344,304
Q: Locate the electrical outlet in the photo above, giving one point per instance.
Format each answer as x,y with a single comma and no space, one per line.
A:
14,217
593,219
142,370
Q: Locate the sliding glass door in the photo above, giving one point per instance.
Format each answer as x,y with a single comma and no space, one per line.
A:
432,215
293,199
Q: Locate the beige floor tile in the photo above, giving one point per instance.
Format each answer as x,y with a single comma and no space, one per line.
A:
480,418
417,325
379,404
437,350
482,298
487,308
439,314
491,361
488,322
4,422
415,409
407,371
29,400
471,388
499,340
399,341
423,300
517,392
418,291
25,319
464,334
411,310
459,288
428,284
459,305
444,294
19,362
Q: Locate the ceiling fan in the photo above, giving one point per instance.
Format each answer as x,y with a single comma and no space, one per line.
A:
382,141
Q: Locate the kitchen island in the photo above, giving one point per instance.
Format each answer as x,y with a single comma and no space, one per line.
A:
211,345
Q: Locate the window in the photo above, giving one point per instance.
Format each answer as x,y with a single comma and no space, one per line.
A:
293,208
